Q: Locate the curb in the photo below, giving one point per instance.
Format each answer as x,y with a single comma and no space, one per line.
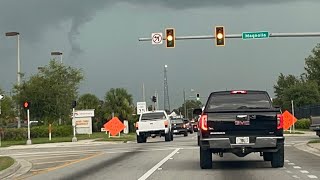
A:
10,170
305,147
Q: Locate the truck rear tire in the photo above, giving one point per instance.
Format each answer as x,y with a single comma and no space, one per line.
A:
140,139
205,159
171,136
167,137
278,158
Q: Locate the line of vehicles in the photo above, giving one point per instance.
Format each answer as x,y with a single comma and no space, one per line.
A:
238,122
159,123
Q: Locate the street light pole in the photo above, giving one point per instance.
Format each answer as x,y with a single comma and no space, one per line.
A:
57,53
9,34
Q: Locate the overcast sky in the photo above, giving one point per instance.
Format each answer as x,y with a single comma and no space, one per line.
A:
101,37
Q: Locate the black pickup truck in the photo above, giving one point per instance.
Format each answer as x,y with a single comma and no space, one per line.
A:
240,122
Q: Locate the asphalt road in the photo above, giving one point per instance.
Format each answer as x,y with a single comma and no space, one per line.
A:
158,159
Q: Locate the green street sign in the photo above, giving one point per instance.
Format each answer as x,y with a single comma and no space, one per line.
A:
255,35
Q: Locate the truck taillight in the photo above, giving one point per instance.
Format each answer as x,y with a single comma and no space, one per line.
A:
279,121
166,123
203,123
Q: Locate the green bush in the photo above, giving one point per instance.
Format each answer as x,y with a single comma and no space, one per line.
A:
36,132
15,134
302,124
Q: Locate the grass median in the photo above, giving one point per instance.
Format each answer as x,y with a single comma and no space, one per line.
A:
314,141
98,136
5,162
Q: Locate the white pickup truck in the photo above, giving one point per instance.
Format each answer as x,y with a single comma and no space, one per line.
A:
154,123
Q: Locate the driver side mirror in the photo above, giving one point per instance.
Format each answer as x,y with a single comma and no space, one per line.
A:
197,111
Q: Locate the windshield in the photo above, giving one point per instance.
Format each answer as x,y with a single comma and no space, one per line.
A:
153,116
238,101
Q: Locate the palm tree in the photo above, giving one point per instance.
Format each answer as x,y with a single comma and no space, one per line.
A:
119,102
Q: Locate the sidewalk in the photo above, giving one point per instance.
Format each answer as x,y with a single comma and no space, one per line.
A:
88,142
306,133
314,145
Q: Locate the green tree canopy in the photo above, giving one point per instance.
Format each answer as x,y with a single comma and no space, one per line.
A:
312,65
7,109
303,93
191,104
50,91
88,101
120,102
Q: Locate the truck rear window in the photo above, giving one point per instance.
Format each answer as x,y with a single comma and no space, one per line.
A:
238,101
153,116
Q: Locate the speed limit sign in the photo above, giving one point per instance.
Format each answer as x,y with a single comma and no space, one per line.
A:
141,107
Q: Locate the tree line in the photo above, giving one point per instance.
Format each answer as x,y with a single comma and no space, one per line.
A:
303,89
51,91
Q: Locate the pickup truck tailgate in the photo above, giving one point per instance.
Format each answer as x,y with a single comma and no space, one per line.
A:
151,125
242,123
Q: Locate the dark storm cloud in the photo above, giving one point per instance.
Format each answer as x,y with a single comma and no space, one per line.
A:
187,4
32,18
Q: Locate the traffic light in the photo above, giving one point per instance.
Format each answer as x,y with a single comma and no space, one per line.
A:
220,36
198,96
154,99
74,104
170,38
26,105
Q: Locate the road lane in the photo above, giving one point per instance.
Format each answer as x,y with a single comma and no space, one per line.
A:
121,165
157,159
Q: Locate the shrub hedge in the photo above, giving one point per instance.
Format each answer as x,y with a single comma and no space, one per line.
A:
302,124
36,132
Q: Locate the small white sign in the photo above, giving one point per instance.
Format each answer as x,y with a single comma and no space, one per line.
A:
141,107
84,113
1,96
157,38
83,125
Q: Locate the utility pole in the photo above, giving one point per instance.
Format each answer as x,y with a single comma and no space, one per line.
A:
184,102
143,93
292,107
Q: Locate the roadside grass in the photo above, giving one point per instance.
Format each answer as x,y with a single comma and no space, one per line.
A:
5,162
314,141
99,136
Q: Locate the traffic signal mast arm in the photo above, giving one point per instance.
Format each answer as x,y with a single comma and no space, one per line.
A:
239,36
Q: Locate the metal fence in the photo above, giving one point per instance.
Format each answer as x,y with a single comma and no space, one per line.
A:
307,111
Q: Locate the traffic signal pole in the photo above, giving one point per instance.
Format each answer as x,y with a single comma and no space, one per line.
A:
239,36
29,136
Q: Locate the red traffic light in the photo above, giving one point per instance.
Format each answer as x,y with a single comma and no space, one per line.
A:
26,105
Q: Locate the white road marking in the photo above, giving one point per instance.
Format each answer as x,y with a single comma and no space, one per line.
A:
295,176
297,167
152,170
286,161
312,177
286,145
291,164
289,172
304,171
